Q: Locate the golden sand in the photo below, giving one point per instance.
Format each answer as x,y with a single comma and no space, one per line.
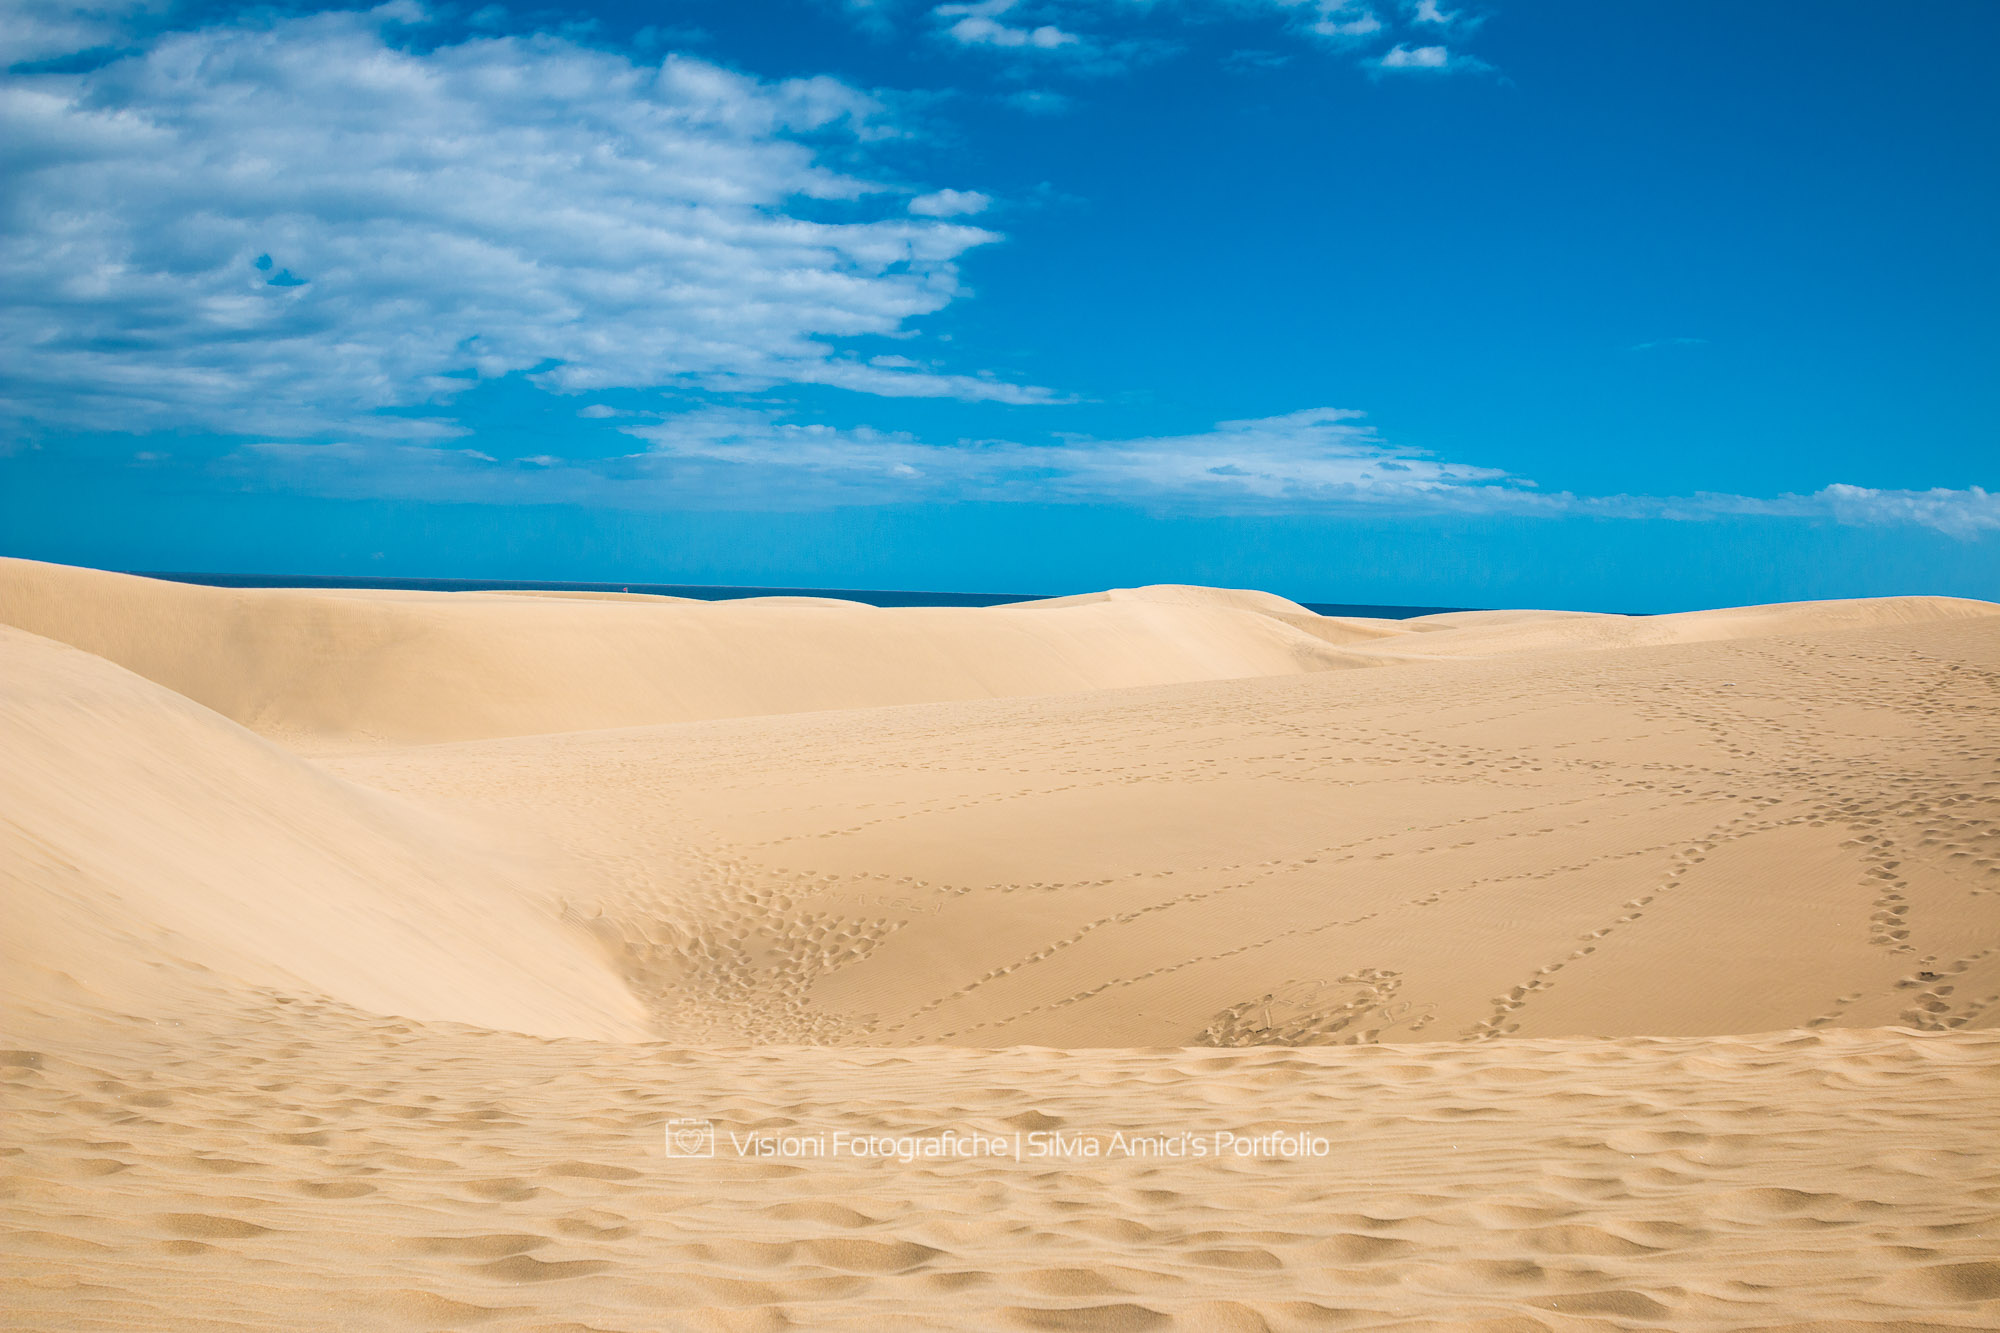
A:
1636,972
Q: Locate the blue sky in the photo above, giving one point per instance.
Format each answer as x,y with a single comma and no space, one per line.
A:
1637,306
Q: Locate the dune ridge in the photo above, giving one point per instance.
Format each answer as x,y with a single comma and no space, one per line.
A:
394,667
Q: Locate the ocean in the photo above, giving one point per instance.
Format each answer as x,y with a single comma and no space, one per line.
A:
710,593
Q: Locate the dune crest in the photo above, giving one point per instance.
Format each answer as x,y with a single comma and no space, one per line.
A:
367,667
1180,594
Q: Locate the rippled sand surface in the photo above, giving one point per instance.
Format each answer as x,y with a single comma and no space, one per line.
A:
316,1168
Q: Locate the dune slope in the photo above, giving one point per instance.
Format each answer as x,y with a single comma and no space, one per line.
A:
145,840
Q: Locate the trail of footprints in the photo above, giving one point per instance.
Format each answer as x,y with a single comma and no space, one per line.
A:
1935,1009
730,943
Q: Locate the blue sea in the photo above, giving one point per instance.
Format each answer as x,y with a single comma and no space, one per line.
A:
702,592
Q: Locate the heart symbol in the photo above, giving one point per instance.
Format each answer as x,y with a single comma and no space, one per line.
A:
689,1141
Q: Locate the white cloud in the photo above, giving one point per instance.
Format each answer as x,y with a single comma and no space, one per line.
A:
749,457
1319,455
771,446
1961,514
949,204
283,227
1342,20
892,382
1315,453
986,32
1107,37
1365,26
979,25
1418,57
1320,460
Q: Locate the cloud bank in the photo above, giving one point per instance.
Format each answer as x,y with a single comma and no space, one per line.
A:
283,227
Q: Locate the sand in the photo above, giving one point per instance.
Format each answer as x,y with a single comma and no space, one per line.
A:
1636,972
363,667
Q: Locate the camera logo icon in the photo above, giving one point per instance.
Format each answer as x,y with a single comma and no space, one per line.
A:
690,1138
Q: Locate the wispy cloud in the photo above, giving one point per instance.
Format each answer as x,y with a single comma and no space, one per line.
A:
1324,460
1097,38
899,377
1319,455
1965,513
284,226
1658,343
746,456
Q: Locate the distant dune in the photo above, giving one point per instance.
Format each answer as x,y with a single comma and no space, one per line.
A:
357,944
419,666
413,667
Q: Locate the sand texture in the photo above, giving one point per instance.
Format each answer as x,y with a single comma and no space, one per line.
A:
1641,972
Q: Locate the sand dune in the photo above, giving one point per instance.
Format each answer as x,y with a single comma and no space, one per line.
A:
1549,843
1179,594
368,667
147,840
417,667
356,947
1735,836
1487,634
